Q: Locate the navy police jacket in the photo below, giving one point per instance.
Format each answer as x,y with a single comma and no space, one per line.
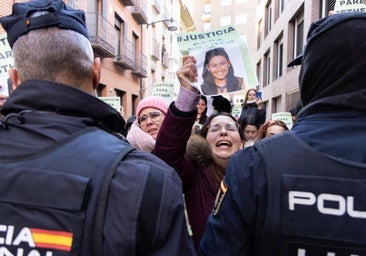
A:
54,200
299,193
70,186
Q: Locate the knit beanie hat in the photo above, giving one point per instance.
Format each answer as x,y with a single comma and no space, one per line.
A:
152,102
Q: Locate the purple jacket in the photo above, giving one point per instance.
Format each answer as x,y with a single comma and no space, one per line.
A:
198,186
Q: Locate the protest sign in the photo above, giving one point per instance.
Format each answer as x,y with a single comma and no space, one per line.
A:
350,6
6,63
236,111
164,90
284,117
230,71
114,102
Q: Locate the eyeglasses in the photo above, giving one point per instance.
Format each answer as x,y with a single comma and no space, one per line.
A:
252,132
153,116
218,128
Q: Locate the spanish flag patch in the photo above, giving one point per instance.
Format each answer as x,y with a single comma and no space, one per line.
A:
50,239
220,197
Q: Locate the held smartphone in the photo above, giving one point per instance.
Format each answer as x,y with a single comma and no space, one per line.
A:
4,89
5,86
259,95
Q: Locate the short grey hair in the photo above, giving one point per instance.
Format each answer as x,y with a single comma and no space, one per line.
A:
53,54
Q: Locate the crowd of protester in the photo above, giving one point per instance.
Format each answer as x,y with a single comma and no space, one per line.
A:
191,183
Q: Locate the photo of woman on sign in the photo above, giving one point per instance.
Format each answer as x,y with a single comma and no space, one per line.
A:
218,73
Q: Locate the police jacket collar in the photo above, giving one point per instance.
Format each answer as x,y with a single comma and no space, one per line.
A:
41,95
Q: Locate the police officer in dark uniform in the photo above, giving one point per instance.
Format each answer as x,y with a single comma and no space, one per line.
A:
69,183
302,192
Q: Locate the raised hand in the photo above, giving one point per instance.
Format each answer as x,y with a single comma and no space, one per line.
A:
187,73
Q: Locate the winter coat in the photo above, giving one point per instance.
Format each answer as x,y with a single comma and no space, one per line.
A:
144,213
190,157
250,111
302,192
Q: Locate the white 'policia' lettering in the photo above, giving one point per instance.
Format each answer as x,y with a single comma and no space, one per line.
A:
20,252
345,204
23,238
302,252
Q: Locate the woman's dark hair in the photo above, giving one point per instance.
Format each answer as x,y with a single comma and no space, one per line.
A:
250,120
246,96
217,172
207,76
206,125
203,117
221,104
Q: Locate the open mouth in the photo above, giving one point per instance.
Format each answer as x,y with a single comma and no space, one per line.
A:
223,144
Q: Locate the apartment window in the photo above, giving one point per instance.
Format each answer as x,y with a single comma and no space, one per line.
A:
281,6
134,101
206,9
226,2
163,50
259,71
267,69
280,60
326,6
298,36
153,77
241,19
224,21
206,26
135,46
279,57
268,15
206,16
122,95
259,34
292,99
100,89
276,104
119,30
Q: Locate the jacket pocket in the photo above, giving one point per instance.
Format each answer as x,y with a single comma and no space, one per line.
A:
42,212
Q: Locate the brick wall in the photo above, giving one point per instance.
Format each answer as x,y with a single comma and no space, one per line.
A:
5,9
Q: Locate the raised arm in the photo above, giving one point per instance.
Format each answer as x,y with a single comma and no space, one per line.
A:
176,129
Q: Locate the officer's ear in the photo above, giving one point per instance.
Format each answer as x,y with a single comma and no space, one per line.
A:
14,77
97,67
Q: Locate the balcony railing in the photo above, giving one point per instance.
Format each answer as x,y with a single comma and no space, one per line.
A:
101,34
126,57
155,50
139,12
141,66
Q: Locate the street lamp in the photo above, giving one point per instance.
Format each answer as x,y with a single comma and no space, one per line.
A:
172,26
